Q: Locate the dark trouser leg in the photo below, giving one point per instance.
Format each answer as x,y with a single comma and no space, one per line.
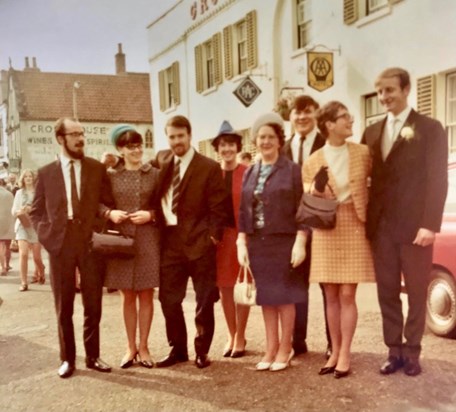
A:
63,268
203,276
173,285
388,275
416,268
91,293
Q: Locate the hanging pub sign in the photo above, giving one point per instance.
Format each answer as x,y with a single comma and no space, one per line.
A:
320,70
247,91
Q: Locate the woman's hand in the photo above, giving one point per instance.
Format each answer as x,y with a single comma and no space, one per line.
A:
140,217
118,216
298,253
242,252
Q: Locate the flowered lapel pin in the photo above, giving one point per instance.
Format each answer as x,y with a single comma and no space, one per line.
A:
408,132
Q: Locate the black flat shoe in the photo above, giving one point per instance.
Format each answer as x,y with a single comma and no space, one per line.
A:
171,360
238,353
227,352
327,369
202,361
97,364
129,362
412,367
392,364
341,374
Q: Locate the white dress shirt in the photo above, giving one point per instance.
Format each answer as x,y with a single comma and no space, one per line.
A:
65,164
306,146
167,199
338,161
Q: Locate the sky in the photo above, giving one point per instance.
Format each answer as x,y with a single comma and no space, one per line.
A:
77,36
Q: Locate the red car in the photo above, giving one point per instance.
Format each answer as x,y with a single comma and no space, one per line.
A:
441,298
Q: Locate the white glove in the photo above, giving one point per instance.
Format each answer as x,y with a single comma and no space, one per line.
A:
298,253
242,253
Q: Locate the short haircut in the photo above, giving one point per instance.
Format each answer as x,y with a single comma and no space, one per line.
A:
179,122
403,75
228,138
246,156
278,130
302,102
328,113
130,136
59,126
20,182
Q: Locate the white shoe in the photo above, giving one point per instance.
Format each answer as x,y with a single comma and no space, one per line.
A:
280,366
263,366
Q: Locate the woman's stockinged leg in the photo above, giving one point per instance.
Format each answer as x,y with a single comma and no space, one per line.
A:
271,324
287,315
130,320
145,316
229,310
333,315
348,321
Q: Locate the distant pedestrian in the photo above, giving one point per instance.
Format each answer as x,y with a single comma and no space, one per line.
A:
6,226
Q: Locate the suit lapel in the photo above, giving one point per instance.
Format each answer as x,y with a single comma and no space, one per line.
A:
59,183
409,122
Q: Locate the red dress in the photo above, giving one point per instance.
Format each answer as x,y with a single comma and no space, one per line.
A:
227,264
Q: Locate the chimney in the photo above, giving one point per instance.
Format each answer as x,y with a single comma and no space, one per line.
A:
120,61
27,65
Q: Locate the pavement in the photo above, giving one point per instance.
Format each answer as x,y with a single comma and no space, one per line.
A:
29,359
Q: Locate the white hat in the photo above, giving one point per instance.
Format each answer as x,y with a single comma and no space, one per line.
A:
271,117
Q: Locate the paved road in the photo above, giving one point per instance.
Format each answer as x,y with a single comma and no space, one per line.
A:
29,360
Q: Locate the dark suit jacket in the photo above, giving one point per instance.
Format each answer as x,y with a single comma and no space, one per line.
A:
319,142
281,196
409,188
201,207
49,212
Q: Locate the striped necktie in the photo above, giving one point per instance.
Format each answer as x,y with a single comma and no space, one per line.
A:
176,185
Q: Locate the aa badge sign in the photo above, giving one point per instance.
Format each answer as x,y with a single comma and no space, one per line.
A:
320,73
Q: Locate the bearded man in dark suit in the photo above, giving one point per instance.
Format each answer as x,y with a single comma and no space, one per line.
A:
193,205
298,148
67,198
407,196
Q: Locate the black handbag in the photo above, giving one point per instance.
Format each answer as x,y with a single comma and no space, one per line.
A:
112,243
317,212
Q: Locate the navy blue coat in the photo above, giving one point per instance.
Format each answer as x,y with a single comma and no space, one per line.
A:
281,196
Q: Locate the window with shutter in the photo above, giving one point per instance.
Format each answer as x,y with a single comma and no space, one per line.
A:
252,48
375,5
373,110
217,50
426,95
228,51
304,21
169,88
451,110
148,139
350,11
199,68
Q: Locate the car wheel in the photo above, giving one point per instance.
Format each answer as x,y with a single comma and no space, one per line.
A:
441,304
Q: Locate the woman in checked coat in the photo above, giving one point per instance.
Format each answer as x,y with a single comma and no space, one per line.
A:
341,257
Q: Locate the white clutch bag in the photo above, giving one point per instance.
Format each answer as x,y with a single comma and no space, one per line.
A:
245,289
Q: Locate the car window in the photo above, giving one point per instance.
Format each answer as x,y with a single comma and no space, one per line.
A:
450,205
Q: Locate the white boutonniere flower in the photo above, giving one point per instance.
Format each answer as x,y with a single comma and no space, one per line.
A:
407,133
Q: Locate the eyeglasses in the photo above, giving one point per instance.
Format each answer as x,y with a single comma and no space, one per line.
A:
345,116
133,146
75,134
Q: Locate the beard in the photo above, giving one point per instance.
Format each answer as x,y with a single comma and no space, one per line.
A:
75,154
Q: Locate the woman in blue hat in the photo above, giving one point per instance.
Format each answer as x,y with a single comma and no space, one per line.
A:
228,144
135,188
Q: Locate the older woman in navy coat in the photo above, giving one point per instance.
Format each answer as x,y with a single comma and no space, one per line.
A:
271,241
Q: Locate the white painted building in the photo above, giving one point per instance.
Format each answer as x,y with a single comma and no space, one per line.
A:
200,51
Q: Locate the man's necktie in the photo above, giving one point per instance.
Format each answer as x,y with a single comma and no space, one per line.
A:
390,137
176,185
74,192
301,154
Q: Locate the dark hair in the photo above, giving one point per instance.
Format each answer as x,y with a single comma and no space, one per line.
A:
246,155
403,75
228,138
328,113
302,102
130,136
59,126
179,122
278,130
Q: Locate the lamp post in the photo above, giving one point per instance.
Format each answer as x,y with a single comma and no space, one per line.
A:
76,86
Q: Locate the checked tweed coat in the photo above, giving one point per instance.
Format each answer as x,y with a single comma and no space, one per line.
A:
343,254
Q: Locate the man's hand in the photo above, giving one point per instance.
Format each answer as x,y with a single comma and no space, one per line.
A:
424,237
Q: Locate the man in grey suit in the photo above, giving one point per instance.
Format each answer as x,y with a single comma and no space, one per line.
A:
299,147
407,196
